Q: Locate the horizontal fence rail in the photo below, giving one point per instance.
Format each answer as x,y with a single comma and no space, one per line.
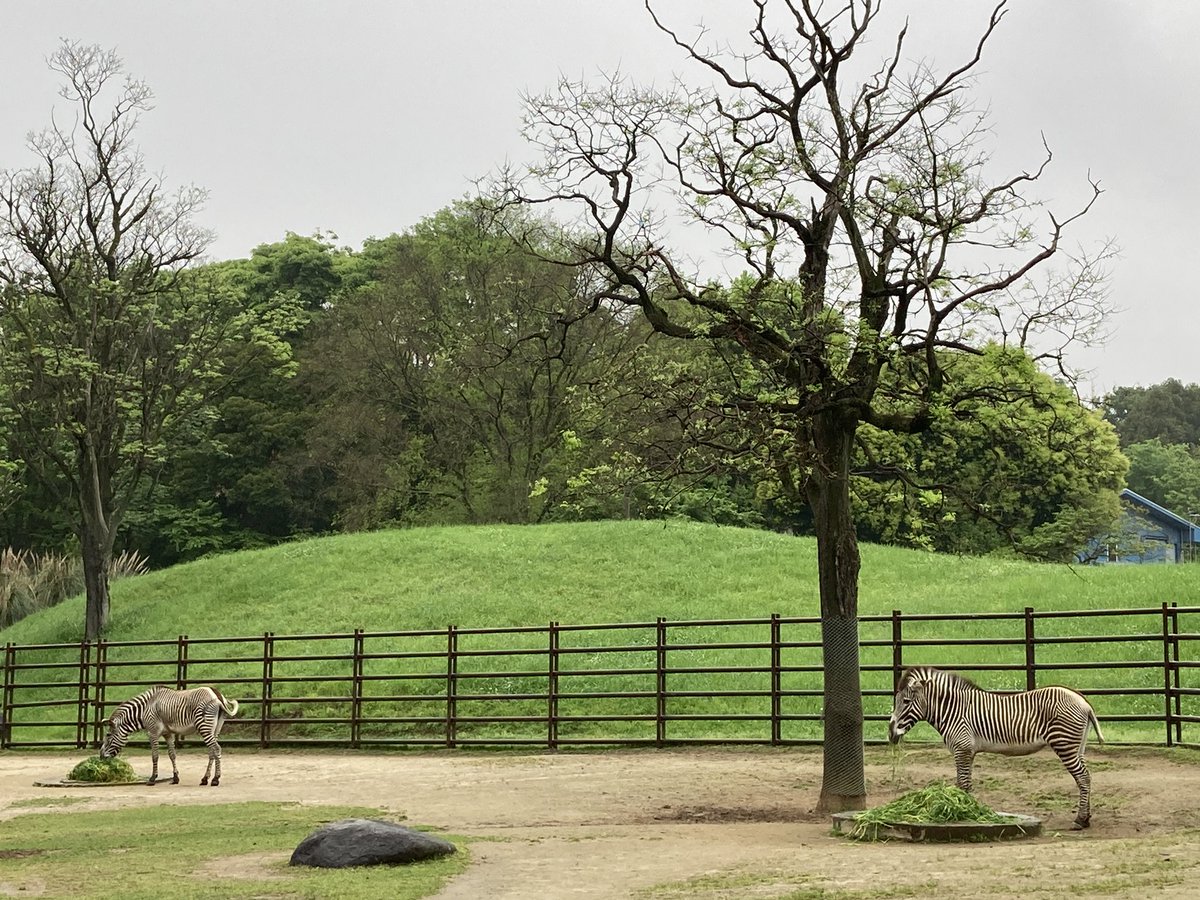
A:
751,681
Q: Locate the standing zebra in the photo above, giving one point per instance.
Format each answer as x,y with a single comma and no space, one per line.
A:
972,720
161,712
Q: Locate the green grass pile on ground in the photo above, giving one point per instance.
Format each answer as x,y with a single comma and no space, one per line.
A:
937,803
103,771
133,854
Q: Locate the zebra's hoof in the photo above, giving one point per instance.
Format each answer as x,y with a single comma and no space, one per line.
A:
204,781
175,780
152,782
1080,824
216,781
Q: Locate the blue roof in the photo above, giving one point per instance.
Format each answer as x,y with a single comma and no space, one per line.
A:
1163,513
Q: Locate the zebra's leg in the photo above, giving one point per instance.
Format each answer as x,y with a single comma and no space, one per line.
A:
214,755
171,753
153,758
964,762
1072,758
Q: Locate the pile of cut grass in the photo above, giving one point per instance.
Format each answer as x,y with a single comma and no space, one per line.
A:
937,804
103,771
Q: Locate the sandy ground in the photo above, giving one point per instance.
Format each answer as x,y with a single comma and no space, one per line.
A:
704,822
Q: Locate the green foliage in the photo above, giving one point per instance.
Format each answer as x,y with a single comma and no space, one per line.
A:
1168,474
1169,412
1011,462
461,382
102,770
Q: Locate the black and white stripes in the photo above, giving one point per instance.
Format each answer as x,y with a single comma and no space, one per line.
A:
163,712
972,720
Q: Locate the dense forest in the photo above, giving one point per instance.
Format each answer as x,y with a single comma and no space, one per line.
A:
442,375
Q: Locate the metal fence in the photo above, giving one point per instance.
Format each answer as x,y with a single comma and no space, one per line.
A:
748,681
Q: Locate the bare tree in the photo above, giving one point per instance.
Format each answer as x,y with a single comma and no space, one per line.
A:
106,341
859,205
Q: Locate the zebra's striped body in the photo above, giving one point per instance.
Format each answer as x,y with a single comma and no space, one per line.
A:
163,712
972,720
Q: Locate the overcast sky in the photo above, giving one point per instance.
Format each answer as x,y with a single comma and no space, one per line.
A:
360,118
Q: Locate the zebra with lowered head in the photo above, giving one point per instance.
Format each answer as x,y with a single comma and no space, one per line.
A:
972,720
163,712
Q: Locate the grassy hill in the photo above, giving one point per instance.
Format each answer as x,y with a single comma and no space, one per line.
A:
577,573
631,572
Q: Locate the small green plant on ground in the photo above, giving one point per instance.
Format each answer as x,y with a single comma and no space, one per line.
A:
939,803
104,771
131,853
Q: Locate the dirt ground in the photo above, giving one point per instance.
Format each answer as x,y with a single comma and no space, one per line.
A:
712,823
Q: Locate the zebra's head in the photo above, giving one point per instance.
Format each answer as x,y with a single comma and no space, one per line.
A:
910,706
124,721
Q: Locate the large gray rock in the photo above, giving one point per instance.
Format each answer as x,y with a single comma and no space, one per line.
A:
366,842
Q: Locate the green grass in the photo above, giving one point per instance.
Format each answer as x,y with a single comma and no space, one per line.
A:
184,851
632,572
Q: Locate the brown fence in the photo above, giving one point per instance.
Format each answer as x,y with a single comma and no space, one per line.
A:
755,681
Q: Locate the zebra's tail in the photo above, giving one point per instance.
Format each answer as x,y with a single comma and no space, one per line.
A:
1095,723
228,706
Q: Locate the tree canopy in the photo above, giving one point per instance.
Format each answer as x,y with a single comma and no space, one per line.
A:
107,341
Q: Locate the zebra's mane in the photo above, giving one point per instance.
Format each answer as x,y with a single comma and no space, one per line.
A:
135,706
959,680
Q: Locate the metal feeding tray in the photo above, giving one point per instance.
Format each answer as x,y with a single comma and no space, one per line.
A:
1015,826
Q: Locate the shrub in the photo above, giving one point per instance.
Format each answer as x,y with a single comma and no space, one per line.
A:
34,581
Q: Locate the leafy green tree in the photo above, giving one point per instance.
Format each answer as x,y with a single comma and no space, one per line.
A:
861,204
1169,412
1168,474
1013,463
243,478
107,340
461,383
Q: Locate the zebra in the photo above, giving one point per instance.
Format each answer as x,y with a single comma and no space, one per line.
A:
972,720
163,712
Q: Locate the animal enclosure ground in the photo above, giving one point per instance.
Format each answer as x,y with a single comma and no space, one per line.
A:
708,823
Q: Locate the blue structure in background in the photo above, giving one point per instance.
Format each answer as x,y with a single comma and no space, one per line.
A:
1157,534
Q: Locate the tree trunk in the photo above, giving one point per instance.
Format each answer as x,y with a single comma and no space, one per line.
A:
96,535
843,783
97,553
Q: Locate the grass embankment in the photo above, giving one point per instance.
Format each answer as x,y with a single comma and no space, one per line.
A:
499,576
224,851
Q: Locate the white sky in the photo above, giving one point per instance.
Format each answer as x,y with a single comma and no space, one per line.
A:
362,117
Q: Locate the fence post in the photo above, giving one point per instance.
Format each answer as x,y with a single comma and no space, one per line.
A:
776,680
267,689
1168,693
660,682
181,663
1030,657
1175,672
897,649
356,690
6,698
552,689
451,686
81,695
101,690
